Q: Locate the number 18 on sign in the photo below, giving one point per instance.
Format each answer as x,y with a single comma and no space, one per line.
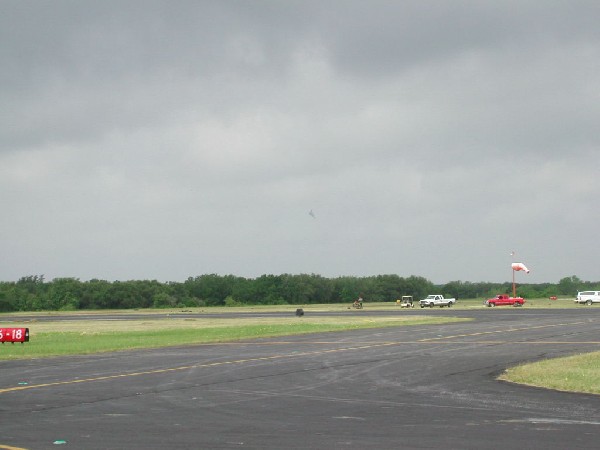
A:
14,335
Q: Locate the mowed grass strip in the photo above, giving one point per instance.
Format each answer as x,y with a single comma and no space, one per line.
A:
578,373
95,336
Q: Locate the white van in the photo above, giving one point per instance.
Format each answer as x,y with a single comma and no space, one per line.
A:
588,297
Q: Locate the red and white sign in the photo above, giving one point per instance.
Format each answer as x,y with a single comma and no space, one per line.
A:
14,335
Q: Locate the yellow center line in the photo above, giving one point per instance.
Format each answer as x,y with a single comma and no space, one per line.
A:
435,340
194,366
482,333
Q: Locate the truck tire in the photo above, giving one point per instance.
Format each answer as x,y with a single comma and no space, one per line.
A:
589,303
431,305
449,304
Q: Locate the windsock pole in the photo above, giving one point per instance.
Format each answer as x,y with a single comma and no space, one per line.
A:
513,275
514,287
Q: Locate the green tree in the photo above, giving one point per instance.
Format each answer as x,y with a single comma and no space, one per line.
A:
212,289
569,285
95,294
7,303
164,300
63,294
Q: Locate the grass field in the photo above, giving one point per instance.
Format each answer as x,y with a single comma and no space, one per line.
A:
95,336
579,373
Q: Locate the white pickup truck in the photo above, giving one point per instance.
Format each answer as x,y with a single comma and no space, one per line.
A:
588,297
437,300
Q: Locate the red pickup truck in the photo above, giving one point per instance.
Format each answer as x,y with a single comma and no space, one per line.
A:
504,299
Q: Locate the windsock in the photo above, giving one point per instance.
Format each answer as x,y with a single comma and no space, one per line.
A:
520,266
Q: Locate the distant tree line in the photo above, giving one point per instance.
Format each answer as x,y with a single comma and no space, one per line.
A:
34,293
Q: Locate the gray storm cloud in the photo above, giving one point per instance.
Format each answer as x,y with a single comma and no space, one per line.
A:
159,140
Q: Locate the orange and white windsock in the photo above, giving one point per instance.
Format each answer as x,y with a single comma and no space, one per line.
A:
520,266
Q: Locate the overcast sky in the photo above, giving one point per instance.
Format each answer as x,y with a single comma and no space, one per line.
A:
169,139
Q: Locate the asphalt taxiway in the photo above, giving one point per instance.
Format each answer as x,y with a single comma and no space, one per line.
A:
416,387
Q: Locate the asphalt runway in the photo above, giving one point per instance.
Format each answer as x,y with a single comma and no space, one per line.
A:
418,387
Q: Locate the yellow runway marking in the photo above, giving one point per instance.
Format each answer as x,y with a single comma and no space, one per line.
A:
481,333
8,447
194,366
434,340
